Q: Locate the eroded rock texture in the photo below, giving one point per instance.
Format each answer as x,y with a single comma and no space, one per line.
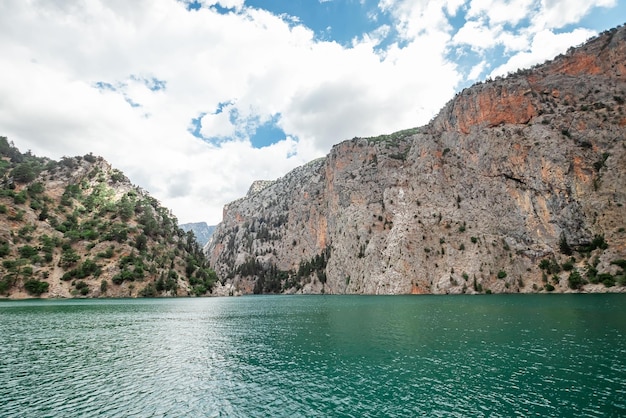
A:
512,174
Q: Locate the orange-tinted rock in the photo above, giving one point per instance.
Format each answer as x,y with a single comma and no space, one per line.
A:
505,170
492,105
514,100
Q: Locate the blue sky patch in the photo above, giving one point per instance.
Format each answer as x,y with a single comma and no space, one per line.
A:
155,84
104,86
220,107
130,102
268,133
196,126
192,5
339,21
260,135
152,83
601,18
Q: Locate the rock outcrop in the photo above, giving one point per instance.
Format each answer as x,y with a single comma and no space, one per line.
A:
518,185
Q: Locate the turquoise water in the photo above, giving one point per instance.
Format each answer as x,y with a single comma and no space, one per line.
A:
352,356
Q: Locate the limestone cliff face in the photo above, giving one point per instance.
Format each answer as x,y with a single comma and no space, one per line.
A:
510,181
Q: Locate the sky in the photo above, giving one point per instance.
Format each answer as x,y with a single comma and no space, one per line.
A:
195,99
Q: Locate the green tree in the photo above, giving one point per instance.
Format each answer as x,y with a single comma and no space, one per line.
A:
43,215
126,208
149,291
141,242
4,249
575,280
27,251
36,287
25,172
20,198
69,257
36,189
564,246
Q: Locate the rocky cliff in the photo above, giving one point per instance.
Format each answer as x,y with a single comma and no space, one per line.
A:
78,228
518,185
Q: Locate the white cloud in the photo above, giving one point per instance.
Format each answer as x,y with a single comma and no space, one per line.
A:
228,4
452,6
218,125
124,80
478,35
476,71
375,37
500,11
556,14
252,62
414,19
515,23
545,45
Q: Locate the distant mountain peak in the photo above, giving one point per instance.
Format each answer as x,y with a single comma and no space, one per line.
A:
201,230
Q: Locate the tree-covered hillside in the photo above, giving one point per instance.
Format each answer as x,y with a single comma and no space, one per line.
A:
78,227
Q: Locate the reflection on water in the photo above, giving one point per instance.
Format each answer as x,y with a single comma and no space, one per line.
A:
499,355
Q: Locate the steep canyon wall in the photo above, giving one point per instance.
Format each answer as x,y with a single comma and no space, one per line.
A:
514,177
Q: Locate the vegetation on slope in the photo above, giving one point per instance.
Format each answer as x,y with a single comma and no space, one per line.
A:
77,227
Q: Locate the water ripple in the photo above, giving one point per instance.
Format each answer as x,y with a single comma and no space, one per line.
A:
318,356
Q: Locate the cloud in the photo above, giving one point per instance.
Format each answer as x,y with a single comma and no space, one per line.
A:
500,11
556,14
545,45
519,33
227,4
515,23
414,19
171,91
478,35
131,95
476,71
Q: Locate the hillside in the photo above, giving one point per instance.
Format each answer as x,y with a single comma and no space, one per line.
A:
518,185
78,228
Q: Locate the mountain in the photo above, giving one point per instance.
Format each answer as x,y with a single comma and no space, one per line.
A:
201,230
78,227
517,185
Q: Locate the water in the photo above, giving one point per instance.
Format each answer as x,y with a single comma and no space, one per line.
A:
352,356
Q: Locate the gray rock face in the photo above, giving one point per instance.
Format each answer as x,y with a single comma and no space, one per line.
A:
510,173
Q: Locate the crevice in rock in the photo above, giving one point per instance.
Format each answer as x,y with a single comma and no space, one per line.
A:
515,179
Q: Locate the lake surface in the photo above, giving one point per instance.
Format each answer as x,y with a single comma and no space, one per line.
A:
352,356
